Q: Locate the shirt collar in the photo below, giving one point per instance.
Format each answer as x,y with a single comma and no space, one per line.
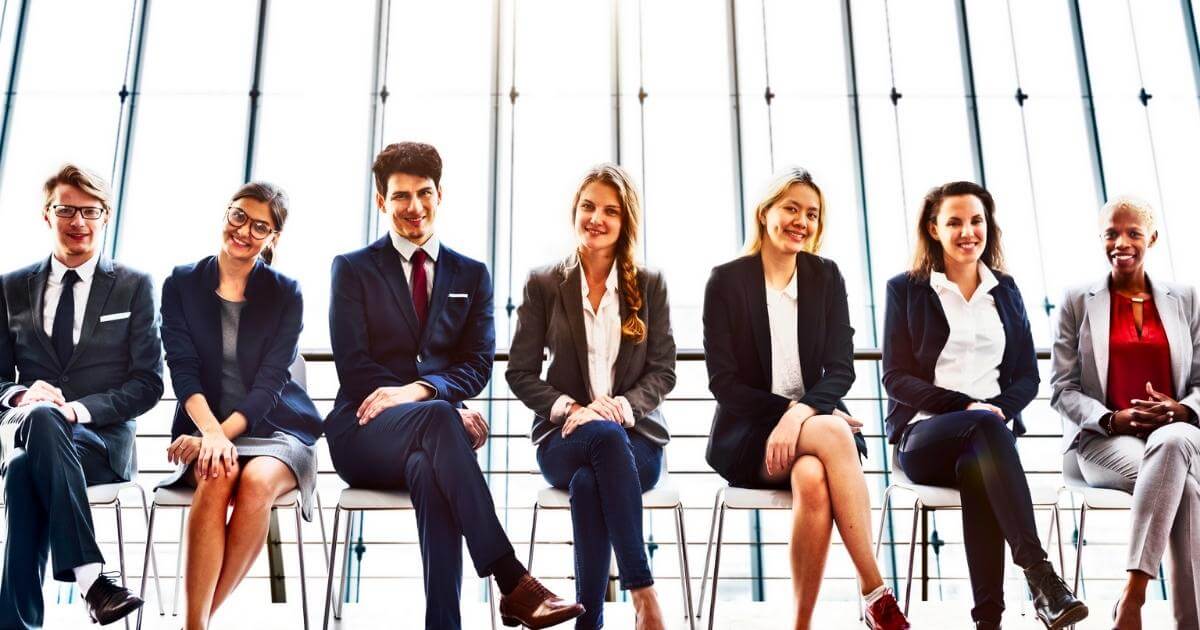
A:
407,248
85,270
610,283
987,282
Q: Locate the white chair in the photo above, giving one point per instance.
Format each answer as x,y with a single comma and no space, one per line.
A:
181,498
361,500
1092,499
661,497
730,498
109,495
933,498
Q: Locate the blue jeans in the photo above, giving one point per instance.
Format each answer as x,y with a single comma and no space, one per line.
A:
605,468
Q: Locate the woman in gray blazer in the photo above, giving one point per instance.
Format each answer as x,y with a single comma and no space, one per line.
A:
1127,376
598,427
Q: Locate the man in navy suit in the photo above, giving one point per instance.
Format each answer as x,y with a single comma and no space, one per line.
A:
411,326
80,360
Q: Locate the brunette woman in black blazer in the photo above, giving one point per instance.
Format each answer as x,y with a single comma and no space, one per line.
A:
780,355
959,365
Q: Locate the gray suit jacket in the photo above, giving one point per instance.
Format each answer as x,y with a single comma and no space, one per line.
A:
551,317
116,369
1080,378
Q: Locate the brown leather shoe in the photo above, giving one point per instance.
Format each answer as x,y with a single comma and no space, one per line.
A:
534,606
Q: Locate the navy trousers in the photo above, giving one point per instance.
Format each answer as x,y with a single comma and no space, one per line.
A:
976,453
605,469
45,495
424,448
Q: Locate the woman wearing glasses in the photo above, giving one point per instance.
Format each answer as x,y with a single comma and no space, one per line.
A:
243,429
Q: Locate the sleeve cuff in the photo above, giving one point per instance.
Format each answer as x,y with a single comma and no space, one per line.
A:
427,385
627,419
82,415
558,411
9,394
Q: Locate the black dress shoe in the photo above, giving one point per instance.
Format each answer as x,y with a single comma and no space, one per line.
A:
1056,606
107,602
987,625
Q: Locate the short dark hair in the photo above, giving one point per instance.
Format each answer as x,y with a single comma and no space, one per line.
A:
413,158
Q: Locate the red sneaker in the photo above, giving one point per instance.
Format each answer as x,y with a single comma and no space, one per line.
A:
885,614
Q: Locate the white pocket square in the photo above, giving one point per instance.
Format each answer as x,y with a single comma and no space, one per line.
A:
112,317
460,296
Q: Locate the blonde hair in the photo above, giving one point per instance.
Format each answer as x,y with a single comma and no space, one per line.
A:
1138,206
627,241
775,190
81,178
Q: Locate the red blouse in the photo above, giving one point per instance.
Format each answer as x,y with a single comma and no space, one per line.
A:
1132,359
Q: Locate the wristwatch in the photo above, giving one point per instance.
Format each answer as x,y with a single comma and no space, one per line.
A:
1106,423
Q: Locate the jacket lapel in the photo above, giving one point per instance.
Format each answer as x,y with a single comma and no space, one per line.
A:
1099,308
102,283
626,347
1178,335
571,298
37,291
807,310
760,323
387,259
444,271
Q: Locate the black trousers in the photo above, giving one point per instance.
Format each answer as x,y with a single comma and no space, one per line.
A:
976,453
45,494
423,448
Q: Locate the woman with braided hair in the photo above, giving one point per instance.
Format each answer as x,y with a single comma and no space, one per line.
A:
598,428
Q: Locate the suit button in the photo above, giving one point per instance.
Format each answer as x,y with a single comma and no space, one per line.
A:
65,379
418,358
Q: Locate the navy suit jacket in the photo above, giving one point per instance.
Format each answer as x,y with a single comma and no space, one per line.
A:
268,334
915,330
376,338
737,352
116,368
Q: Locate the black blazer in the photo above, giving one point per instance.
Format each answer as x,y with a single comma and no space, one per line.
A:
914,332
376,340
268,334
737,352
116,368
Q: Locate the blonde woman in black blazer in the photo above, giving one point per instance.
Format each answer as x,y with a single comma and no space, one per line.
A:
599,430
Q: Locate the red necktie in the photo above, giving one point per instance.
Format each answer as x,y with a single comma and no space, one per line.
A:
420,284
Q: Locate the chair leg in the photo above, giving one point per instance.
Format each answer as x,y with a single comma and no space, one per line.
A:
300,553
345,578
912,552
146,561
1079,549
712,597
685,574
329,574
121,550
153,556
179,561
532,537
1056,516
491,600
712,530
883,515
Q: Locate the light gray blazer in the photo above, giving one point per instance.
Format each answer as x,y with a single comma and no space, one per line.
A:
1080,378
551,318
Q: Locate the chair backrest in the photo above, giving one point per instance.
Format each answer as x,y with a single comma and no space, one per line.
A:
299,371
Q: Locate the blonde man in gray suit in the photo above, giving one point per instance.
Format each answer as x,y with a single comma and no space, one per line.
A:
1127,376
599,430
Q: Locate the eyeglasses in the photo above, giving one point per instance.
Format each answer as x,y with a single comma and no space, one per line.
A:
238,217
90,213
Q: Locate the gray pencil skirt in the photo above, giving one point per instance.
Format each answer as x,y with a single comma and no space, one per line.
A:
296,455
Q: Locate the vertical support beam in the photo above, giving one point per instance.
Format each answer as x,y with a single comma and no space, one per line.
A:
379,94
615,42
968,69
278,577
860,190
1089,107
736,122
14,71
1189,23
255,90
122,152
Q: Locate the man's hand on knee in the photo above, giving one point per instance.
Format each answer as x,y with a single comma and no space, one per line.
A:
40,391
476,427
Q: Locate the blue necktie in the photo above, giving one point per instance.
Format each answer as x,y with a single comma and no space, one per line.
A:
63,333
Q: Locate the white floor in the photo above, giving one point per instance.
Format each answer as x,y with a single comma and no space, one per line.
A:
731,615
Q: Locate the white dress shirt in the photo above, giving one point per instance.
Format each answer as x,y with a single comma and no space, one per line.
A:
970,362
787,379
407,248
603,329
54,287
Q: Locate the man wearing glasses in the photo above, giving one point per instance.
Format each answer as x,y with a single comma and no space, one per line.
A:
80,360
